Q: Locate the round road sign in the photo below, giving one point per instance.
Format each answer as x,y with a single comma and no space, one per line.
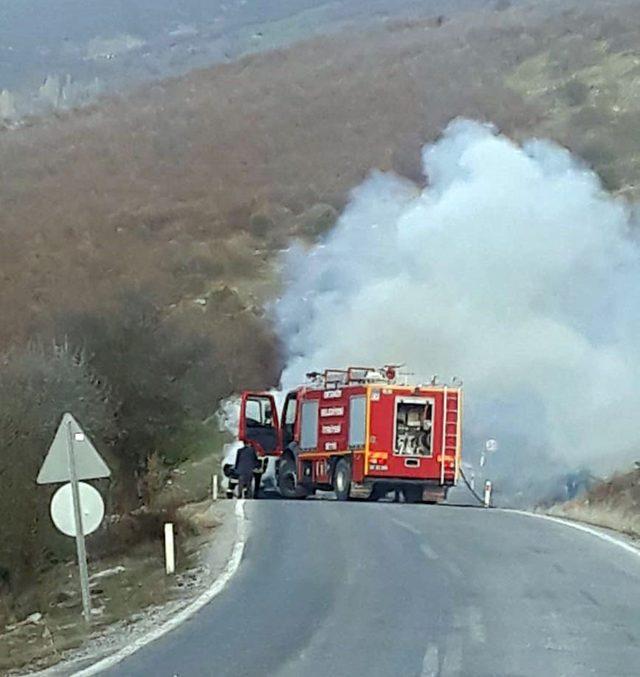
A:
91,507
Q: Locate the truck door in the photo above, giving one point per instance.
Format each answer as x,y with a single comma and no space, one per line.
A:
289,419
259,423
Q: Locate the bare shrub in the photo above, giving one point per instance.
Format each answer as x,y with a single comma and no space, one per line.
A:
115,195
166,369
575,92
316,221
37,385
598,152
133,528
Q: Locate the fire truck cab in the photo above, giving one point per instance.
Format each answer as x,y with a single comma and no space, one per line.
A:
359,433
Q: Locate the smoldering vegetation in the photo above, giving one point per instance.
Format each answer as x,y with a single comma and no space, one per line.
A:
512,268
613,504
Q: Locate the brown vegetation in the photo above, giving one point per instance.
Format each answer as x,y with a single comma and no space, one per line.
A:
166,188
145,189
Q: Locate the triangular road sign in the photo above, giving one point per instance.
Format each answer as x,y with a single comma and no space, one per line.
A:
89,464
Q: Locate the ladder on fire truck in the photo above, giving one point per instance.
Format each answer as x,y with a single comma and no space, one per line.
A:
451,431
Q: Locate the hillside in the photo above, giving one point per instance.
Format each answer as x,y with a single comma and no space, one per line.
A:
175,187
84,50
141,234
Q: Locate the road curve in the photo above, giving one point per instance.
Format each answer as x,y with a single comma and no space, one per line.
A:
328,588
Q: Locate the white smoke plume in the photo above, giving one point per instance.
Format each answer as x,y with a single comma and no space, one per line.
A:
512,269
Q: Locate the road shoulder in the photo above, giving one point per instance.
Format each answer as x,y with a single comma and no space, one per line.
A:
220,559
616,538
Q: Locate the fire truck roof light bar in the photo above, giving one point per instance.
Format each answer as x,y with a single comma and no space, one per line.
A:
389,374
333,378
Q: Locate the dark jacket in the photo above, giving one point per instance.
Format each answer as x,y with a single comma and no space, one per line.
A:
246,461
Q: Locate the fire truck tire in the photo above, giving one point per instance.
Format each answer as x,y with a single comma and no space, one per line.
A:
412,494
342,479
288,480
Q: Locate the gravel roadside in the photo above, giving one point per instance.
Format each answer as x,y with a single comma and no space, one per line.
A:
207,555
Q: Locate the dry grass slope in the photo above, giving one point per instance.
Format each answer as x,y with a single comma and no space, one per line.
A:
614,504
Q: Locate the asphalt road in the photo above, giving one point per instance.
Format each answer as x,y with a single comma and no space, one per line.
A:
357,589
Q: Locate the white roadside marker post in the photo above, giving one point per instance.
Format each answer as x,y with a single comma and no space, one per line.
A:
169,549
214,488
487,494
77,513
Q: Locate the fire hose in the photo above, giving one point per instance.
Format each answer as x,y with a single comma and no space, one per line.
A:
471,489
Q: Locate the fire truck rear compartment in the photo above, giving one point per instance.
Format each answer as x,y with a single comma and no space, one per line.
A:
413,427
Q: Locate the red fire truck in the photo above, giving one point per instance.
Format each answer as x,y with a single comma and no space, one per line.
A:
359,433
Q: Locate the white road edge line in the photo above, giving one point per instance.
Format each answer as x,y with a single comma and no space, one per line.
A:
187,612
580,527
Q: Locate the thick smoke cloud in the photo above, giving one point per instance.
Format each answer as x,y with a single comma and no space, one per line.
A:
514,270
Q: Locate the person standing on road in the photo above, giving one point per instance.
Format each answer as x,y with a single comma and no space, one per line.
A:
246,463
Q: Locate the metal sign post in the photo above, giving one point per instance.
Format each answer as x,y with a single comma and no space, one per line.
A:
77,514
72,458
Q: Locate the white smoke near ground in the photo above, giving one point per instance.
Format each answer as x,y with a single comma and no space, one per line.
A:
512,269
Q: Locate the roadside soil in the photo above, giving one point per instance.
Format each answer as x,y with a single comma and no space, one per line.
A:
613,504
130,597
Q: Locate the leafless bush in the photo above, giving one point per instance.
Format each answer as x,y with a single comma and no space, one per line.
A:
169,368
136,527
575,92
37,386
163,370
316,221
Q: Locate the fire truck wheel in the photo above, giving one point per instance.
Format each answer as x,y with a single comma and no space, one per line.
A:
342,480
288,480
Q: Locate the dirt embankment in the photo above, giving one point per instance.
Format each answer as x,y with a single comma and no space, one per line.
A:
130,592
613,504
